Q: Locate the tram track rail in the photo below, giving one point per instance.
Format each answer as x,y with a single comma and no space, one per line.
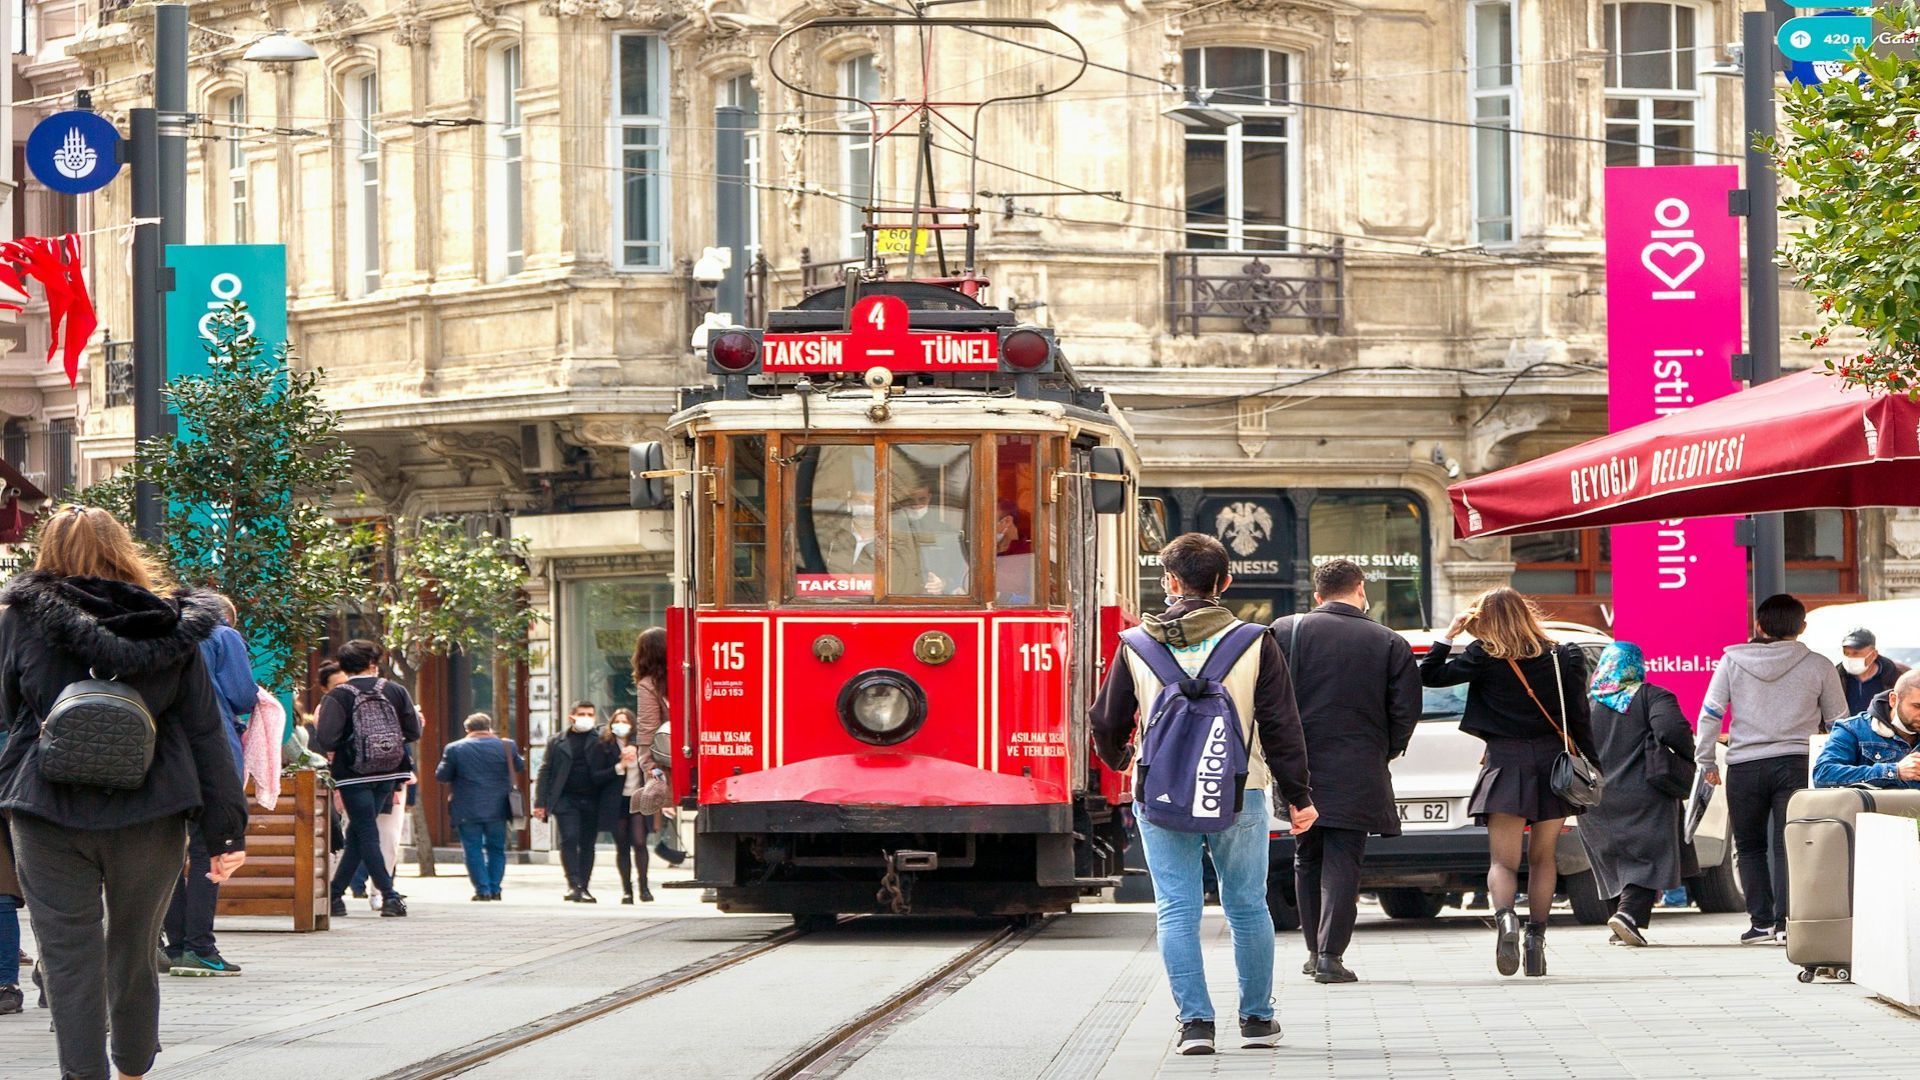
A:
823,1057
473,1055
835,1052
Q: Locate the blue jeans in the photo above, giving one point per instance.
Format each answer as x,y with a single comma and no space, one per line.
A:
1240,861
9,941
486,846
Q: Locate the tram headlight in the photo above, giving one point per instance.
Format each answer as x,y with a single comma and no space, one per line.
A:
882,706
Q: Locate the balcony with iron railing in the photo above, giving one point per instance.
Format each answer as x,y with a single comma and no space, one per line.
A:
1255,292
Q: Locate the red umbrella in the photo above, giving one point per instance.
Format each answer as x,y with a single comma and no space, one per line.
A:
1801,442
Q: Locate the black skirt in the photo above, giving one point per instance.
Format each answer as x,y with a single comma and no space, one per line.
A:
1517,778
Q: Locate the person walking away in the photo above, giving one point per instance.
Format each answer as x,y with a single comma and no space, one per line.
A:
1864,673
96,859
11,999
1512,671
1633,836
366,723
611,809
1358,691
479,773
1780,694
577,765
190,945
1221,689
1879,748
650,717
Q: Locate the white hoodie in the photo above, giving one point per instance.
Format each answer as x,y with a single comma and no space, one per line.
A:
1778,693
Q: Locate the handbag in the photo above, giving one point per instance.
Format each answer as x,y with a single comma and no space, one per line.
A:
1574,778
1668,772
516,799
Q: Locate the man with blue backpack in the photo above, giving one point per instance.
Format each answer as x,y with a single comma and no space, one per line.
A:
1213,702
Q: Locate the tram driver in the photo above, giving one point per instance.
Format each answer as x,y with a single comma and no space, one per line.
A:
850,548
940,538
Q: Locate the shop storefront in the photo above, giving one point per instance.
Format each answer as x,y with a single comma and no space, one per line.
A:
1276,537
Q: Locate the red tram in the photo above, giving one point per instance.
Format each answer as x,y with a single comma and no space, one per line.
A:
906,550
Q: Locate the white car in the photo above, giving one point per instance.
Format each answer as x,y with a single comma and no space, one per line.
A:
1441,854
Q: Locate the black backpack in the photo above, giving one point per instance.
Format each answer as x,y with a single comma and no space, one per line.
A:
378,744
99,733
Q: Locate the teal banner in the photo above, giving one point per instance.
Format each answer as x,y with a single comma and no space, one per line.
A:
206,278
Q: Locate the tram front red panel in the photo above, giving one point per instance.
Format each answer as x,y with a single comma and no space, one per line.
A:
734,694
807,722
1029,722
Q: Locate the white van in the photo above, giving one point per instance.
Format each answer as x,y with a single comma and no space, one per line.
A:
1441,854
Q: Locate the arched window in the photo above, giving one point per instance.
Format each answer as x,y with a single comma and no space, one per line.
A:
1240,177
361,93
1655,95
858,79
505,158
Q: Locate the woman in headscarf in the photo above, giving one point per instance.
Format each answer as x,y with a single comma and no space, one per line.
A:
1646,753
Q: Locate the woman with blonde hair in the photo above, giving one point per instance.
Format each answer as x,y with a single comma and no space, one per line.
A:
99,850
1526,698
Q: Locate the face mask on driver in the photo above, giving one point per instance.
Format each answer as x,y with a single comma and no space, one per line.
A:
1855,665
583,723
918,512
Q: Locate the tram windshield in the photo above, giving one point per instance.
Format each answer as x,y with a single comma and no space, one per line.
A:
893,521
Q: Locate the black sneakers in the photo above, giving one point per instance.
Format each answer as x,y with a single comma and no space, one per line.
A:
1196,1037
1259,1034
393,907
338,909
1625,930
1758,935
11,1000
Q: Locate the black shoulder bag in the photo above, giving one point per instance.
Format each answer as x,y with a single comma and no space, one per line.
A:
1574,778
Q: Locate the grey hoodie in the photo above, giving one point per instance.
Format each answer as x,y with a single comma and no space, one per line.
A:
1778,694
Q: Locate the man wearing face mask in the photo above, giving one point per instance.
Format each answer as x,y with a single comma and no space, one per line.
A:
578,765
1881,746
852,550
940,539
1864,673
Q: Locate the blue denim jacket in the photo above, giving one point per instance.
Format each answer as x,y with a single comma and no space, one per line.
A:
1864,749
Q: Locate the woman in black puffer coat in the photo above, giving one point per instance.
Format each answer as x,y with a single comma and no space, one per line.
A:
98,865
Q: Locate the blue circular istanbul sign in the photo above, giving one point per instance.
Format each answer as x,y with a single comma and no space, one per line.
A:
74,152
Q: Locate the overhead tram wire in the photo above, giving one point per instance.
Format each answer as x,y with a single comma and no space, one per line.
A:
1573,371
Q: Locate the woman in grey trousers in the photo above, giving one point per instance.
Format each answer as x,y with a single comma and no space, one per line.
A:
98,864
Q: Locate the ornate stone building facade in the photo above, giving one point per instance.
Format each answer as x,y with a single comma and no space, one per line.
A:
1385,273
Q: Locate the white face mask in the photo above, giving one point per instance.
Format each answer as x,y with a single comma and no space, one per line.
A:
623,730
583,723
862,514
1855,665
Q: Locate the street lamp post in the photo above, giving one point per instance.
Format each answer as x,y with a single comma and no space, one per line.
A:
159,161
1763,275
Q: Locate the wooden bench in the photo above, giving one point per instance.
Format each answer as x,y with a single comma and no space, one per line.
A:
285,874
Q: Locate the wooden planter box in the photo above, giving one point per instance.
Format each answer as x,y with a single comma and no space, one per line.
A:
286,869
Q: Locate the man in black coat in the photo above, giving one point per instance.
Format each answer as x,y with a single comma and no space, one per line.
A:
1359,696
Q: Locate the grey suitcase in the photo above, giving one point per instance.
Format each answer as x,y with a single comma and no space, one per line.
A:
1820,872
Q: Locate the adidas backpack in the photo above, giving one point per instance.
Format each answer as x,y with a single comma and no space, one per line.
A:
378,745
1193,757
99,733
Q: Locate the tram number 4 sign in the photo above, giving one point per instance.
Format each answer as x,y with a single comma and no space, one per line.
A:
879,338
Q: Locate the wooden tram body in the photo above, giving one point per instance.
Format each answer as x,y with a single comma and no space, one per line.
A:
897,721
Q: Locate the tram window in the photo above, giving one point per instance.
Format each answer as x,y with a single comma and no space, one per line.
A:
836,533
1013,519
747,519
931,488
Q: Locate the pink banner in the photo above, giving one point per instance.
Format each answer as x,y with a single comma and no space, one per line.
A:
1673,322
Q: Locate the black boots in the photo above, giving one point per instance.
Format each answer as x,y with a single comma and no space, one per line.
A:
1536,949
1330,970
1506,941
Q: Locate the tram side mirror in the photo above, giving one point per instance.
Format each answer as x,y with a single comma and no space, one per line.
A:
1153,525
1110,478
645,489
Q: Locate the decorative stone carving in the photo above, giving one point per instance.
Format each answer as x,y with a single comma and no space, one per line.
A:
468,451
1490,442
648,14
21,403
409,28
618,433
1342,64
203,48
1288,14
485,11
339,15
